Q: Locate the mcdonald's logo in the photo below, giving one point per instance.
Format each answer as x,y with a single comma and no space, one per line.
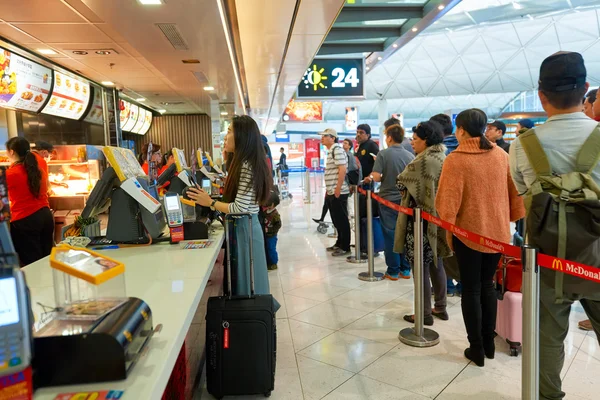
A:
557,264
481,241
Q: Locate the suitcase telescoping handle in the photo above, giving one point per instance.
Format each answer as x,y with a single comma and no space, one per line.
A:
234,216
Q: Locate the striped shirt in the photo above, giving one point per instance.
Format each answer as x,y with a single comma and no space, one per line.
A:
245,200
336,158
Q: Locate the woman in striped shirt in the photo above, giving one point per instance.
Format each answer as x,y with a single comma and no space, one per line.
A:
248,186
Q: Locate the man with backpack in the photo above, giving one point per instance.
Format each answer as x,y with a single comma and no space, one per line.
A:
555,165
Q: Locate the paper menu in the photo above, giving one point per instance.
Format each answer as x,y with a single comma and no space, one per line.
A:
70,97
124,162
24,85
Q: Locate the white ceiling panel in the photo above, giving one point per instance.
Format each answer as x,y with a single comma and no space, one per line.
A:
37,11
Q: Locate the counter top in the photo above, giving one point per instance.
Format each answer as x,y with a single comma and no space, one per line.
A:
171,280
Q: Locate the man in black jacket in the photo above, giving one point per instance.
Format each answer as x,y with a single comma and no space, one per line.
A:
495,133
367,149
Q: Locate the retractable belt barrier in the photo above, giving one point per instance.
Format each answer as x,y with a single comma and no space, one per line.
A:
568,267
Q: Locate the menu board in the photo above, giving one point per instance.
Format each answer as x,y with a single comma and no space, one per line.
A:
147,123
24,85
70,97
140,121
133,117
95,115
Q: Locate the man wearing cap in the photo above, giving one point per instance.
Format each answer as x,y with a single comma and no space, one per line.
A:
495,133
366,149
562,85
524,125
337,191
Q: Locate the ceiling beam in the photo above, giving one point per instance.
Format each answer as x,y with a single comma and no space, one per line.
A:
367,32
328,49
360,13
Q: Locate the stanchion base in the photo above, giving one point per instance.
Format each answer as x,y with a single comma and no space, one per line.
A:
430,337
364,276
354,260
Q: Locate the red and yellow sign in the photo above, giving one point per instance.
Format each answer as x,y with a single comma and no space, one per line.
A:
303,111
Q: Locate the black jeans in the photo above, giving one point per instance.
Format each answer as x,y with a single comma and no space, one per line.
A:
479,302
338,208
33,236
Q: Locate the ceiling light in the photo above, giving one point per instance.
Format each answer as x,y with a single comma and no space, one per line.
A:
80,52
224,113
414,29
516,5
162,111
103,52
368,68
141,99
379,58
150,2
395,46
47,52
209,88
441,7
107,83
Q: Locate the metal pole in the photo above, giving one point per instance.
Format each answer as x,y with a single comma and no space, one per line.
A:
370,275
531,325
308,190
357,258
419,336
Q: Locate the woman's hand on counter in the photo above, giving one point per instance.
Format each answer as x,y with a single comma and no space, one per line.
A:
199,196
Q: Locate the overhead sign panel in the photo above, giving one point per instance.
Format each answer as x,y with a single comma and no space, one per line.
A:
333,78
70,97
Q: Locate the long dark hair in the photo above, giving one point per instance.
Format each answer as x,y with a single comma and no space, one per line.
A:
22,149
248,148
474,121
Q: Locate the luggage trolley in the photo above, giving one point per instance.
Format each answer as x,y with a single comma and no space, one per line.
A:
283,184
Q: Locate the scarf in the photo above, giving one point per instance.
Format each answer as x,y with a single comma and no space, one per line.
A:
420,179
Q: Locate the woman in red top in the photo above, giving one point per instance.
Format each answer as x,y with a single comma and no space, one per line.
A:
32,223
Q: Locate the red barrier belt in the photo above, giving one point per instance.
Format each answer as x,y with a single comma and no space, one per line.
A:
558,264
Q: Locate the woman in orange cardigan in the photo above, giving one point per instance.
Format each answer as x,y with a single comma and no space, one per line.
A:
476,193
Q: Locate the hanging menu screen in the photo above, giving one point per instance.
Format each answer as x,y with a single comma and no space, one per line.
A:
133,117
24,85
70,97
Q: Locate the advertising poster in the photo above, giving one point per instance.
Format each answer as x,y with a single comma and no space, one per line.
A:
70,97
24,85
303,111
293,151
351,119
312,151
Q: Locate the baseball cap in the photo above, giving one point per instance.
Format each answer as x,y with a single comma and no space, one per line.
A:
526,123
155,148
562,71
330,132
500,125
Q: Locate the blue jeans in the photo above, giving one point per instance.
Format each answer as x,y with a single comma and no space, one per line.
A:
396,263
272,256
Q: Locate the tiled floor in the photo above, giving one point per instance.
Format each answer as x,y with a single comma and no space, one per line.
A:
338,336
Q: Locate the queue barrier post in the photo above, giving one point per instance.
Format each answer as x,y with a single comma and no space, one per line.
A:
308,199
419,336
530,385
370,275
357,258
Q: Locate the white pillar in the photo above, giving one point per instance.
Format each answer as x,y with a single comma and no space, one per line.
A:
382,116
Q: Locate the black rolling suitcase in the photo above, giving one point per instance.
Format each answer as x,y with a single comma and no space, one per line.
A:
240,337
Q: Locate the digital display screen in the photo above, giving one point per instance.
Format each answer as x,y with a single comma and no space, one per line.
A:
172,203
95,115
24,85
140,121
9,306
147,123
70,97
206,185
133,117
333,78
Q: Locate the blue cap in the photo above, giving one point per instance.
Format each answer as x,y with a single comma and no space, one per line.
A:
526,123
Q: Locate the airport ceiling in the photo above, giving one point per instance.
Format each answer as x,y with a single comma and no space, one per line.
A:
480,53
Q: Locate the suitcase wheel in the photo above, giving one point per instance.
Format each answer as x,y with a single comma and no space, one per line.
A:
268,394
514,352
514,348
322,229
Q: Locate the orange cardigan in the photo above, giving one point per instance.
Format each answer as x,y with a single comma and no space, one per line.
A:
477,193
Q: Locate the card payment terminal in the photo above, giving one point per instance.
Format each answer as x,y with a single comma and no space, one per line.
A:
174,212
15,330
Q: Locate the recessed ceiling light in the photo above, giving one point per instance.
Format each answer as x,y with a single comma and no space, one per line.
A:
162,111
80,52
209,88
141,99
150,2
103,52
47,52
441,7
108,83
516,5
224,113
379,58
414,29
395,45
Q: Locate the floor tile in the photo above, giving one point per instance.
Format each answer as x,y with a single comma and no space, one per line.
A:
318,291
364,300
476,383
399,287
319,379
347,279
304,334
330,316
378,327
345,351
363,388
295,305
288,282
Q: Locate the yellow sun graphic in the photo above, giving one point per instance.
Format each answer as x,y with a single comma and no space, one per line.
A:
316,77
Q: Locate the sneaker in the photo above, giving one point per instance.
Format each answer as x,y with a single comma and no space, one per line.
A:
340,253
585,325
390,277
318,221
332,248
272,267
404,274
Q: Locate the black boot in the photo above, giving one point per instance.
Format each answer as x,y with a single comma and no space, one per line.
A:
475,355
489,348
